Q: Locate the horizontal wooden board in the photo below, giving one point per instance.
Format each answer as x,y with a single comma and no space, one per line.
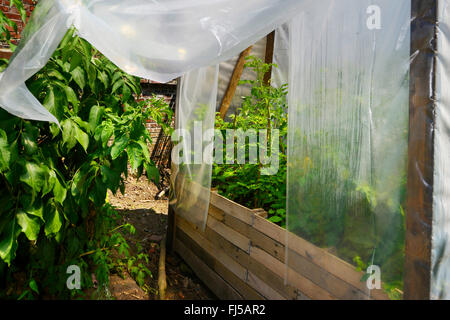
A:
225,266
240,261
254,266
336,286
260,230
218,286
246,243
269,269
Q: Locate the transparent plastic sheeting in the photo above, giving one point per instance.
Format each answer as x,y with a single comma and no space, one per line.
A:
280,75
194,125
440,254
158,40
226,70
348,131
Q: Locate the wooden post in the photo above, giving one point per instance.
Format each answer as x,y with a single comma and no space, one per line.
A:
231,89
171,229
421,150
269,56
162,282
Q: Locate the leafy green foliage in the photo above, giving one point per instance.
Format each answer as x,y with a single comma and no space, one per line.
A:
54,180
265,108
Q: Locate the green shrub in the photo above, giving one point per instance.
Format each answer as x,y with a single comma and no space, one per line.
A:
54,180
265,108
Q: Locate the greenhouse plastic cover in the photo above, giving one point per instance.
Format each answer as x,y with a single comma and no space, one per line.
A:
157,40
348,131
440,260
195,114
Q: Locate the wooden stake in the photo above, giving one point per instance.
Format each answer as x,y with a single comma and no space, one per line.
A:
236,76
162,283
269,56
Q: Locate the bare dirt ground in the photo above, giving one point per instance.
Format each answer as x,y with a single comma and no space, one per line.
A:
149,216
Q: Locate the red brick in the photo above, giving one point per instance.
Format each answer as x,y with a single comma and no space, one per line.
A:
14,16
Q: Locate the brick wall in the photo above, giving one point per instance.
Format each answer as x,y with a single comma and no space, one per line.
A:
152,126
13,14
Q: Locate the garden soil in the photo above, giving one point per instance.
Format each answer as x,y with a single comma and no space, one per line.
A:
149,216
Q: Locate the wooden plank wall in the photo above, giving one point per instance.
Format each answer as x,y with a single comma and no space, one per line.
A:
241,255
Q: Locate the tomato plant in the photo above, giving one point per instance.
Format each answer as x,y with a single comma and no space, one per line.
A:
265,108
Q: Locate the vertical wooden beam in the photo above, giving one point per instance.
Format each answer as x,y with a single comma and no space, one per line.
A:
234,81
269,56
171,229
419,205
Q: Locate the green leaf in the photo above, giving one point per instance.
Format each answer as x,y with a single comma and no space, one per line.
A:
106,134
53,221
275,219
81,137
79,76
34,176
110,177
5,152
82,124
68,133
8,242
92,76
145,150
134,156
103,77
72,97
87,50
119,83
28,143
49,183
59,191
75,60
98,193
56,74
30,225
54,129
55,102
23,295
33,286
152,172
119,145
37,209
126,93
95,116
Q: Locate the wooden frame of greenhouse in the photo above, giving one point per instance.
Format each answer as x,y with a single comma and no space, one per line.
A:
242,255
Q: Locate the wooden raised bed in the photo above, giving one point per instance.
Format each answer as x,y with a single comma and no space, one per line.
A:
241,255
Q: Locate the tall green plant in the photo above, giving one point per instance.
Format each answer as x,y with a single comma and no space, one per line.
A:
54,180
265,108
